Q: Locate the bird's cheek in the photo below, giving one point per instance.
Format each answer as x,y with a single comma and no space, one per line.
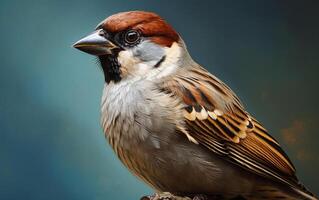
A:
127,62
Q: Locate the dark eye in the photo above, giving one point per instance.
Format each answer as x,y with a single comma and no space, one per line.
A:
132,36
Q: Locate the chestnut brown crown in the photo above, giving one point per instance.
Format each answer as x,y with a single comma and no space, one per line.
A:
149,24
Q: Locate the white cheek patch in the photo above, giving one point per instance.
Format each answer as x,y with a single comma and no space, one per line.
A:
143,68
170,64
126,59
134,64
130,64
173,53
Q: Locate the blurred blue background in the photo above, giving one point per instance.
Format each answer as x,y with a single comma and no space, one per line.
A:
51,143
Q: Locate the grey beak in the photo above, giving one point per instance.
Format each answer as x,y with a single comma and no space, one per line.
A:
95,44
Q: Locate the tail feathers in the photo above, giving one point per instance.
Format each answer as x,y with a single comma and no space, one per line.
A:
275,192
304,193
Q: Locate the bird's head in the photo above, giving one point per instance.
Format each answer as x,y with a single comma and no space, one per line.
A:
134,44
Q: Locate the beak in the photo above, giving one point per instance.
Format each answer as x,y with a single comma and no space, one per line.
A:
95,44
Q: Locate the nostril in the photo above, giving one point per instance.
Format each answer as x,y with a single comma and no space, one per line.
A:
103,33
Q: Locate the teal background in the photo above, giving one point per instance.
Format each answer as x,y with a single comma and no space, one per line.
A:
51,143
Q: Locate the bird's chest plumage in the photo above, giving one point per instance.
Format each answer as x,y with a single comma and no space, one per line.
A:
121,104
138,122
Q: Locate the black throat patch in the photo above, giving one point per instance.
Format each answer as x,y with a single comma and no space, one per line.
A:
111,68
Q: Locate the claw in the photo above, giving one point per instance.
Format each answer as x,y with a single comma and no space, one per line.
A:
200,197
165,196
148,197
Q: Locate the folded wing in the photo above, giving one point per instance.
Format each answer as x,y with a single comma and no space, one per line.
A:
216,119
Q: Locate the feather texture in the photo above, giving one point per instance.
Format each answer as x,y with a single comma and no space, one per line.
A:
215,118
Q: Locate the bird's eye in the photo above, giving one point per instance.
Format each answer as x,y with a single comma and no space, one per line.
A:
132,37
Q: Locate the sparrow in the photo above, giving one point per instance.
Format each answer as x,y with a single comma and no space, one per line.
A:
175,125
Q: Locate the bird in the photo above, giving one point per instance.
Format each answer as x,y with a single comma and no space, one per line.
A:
176,126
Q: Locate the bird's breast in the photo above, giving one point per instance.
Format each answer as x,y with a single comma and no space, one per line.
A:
140,124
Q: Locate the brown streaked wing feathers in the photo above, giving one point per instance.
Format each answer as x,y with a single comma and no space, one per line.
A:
227,129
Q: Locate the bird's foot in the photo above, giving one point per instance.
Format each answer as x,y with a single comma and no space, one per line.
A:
166,196
169,196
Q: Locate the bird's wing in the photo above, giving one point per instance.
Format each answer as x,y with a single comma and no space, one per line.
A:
216,119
